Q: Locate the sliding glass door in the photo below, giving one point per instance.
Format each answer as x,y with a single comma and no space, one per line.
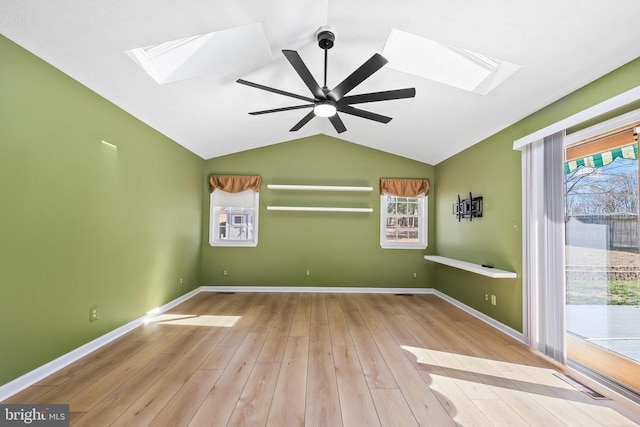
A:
602,255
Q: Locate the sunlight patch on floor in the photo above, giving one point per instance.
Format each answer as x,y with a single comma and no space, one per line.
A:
195,320
483,366
465,383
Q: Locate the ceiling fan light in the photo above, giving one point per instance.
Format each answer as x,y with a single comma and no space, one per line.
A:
325,109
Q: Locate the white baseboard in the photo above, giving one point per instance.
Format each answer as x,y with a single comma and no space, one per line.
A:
9,389
319,289
481,316
32,377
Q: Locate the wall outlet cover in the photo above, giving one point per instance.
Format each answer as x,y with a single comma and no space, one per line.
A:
93,314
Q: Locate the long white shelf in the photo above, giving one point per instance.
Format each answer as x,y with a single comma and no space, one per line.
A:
317,209
317,187
474,268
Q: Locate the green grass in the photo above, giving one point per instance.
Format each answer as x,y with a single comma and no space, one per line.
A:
613,292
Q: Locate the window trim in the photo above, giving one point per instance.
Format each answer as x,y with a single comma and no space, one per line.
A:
214,226
423,224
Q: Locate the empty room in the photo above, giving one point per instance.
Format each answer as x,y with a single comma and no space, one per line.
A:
327,213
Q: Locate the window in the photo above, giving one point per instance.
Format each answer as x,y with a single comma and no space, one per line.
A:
234,218
403,222
445,63
195,56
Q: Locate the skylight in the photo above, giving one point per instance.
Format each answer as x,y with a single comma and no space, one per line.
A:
444,63
211,53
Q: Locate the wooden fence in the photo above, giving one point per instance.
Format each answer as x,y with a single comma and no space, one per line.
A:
611,232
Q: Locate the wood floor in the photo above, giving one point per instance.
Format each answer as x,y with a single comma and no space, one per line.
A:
319,360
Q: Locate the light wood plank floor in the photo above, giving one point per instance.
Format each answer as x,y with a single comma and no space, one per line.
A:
285,359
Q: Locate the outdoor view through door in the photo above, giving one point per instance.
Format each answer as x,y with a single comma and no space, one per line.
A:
603,255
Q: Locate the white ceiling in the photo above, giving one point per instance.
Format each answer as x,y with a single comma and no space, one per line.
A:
560,45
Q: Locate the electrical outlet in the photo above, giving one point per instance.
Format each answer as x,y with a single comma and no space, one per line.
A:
415,275
308,273
181,280
93,314
486,297
224,273
493,300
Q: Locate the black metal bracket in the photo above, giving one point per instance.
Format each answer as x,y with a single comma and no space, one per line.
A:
468,208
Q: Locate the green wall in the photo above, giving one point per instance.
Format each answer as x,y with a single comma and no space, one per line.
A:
494,239
492,169
339,249
82,224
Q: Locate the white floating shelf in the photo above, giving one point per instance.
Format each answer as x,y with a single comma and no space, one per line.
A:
317,188
474,268
317,209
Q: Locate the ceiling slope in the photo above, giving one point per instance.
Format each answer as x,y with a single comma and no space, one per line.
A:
559,46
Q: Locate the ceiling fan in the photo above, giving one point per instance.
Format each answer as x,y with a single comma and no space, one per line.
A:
326,102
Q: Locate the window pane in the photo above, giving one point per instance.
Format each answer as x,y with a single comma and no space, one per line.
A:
239,229
235,225
391,208
400,223
413,222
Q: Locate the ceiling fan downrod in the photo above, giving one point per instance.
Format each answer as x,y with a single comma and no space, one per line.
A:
326,39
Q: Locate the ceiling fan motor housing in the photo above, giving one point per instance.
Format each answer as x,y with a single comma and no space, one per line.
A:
326,37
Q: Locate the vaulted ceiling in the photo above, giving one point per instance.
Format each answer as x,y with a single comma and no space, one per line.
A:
559,46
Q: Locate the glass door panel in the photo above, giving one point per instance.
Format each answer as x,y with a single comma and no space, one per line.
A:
603,261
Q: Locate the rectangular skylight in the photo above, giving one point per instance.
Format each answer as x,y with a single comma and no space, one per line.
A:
211,53
444,63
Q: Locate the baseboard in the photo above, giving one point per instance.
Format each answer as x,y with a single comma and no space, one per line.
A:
9,389
32,377
481,316
318,289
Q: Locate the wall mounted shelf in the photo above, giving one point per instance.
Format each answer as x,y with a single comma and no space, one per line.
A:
474,268
317,187
317,209
287,187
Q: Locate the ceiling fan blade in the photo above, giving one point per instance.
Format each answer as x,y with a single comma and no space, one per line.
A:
372,65
304,73
303,122
278,91
363,113
277,110
379,96
336,121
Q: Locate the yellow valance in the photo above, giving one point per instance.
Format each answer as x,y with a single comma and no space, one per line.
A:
235,183
404,187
